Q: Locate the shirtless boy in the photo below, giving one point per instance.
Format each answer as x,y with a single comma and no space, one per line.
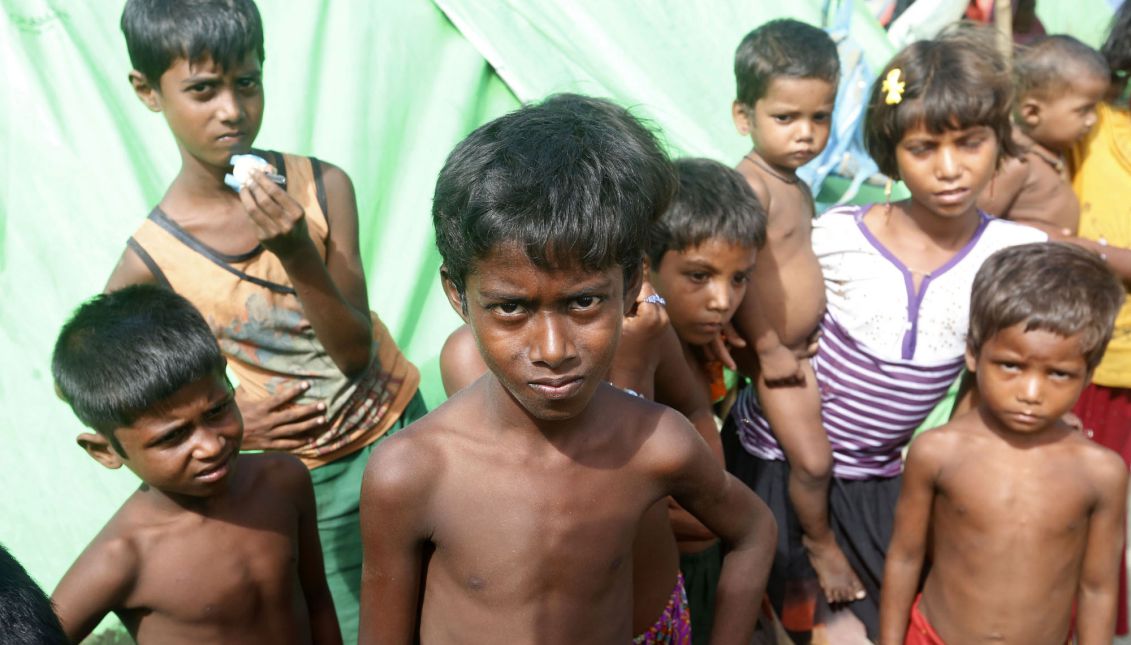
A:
701,255
1020,516
512,509
1059,81
786,73
210,548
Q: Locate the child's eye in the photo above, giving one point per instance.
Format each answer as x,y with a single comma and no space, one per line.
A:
697,277
507,308
1007,366
782,118
586,302
973,142
199,88
821,117
248,83
220,410
741,278
174,436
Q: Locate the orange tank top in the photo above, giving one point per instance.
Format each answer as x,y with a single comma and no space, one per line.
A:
253,311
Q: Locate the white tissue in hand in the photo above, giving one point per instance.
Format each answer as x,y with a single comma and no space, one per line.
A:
242,167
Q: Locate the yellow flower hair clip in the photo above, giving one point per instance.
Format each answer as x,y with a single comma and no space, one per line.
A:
893,87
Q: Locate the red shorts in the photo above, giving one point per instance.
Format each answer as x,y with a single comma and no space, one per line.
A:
920,632
1106,415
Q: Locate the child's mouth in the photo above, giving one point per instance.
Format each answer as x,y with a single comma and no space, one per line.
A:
558,388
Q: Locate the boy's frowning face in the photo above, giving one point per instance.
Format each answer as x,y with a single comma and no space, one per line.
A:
1027,380
186,446
790,124
548,335
703,286
213,112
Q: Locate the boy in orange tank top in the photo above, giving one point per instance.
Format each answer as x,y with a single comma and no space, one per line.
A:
275,269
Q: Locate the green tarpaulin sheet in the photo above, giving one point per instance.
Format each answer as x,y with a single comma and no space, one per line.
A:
382,88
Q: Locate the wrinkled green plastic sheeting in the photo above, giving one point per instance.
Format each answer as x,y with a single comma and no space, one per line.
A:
671,61
383,89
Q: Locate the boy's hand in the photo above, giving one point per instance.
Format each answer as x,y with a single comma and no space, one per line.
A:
780,368
719,348
647,319
276,423
279,220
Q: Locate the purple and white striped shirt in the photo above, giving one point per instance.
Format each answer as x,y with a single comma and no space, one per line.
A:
887,354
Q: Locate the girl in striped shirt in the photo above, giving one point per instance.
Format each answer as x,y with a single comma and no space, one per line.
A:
897,282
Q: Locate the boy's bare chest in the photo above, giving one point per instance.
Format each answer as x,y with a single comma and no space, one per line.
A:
1021,502
510,534
221,572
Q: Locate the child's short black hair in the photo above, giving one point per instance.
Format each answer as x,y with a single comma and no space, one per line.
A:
1055,287
26,614
124,352
783,47
712,200
570,179
1046,67
956,81
158,32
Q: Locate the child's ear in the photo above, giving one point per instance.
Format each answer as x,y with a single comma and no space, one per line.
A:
146,92
971,361
1030,112
456,298
100,450
741,120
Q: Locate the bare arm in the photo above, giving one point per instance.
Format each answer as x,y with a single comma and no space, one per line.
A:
908,546
1007,183
312,575
460,361
394,494
729,509
1118,259
673,376
1099,579
333,293
777,364
96,584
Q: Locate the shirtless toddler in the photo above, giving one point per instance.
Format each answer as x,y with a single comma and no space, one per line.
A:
786,73
1059,80
214,547
1020,516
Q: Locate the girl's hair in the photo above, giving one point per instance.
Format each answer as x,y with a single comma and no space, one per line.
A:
1117,48
958,80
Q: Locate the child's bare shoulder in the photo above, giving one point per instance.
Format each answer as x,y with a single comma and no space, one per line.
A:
271,472
944,444
1102,466
667,439
757,182
408,464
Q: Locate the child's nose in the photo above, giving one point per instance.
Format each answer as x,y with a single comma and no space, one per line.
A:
946,164
229,107
1030,390
209,445
721,297
552,344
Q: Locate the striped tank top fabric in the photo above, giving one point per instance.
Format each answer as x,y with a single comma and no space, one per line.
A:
888,352
256,316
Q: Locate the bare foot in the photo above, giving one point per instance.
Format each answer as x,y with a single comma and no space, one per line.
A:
835,575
